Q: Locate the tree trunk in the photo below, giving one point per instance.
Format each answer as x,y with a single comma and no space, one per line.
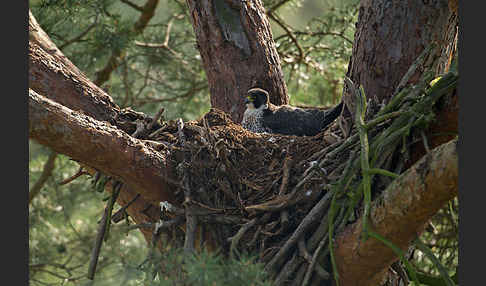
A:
389,37
237,55
236,46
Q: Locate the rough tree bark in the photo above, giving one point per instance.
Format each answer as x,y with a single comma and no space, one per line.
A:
399,215
50,72
236,46
391,34
104,146
54,76
247,57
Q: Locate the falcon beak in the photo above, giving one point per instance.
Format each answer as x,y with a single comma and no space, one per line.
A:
247,100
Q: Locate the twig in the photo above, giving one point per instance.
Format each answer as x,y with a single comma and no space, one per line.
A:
287,270
411,70
140,128
284,219
236,238
191,219
442,270
380,119
285,176
155,119
424,139
180,131
96,249
398,252
102,229
401,272
46,173
277,5
365,148
190,238
79,173
289,33
133,5
310,218
303,251
116,191
118,216
147,12
314,261
331,214
81,35
255,236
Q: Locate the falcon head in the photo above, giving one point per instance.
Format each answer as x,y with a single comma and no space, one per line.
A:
256,98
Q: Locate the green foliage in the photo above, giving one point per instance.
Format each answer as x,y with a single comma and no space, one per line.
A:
314,68
63,219
88,32
62,228
441,237
177,268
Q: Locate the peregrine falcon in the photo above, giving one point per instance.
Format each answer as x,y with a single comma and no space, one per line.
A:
262,116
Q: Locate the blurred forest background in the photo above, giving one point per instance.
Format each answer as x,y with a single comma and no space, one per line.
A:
160,66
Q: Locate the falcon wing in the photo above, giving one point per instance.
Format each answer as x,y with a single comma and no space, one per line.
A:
297,121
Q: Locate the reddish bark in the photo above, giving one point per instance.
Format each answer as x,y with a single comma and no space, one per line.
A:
236,46
389,37
230,72
398,215
53,75
101,146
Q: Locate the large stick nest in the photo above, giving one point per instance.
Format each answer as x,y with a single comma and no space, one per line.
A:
271,194
262,185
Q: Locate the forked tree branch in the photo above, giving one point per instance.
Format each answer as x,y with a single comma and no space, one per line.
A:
398,215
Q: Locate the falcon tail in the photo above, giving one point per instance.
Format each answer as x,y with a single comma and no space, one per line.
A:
332,114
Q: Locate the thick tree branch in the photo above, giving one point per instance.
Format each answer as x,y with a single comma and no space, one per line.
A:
147,172
399,215
52,74
101,146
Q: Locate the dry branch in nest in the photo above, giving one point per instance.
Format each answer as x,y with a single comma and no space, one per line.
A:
282,197
285,197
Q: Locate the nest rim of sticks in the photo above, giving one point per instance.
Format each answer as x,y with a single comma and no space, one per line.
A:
272,220
262,193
